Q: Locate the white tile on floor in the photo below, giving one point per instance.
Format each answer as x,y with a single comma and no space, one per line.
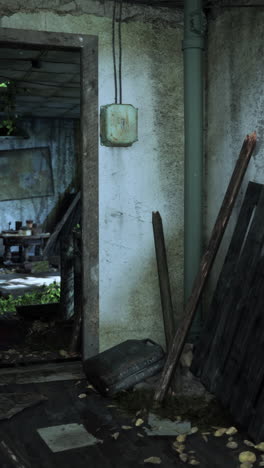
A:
67,437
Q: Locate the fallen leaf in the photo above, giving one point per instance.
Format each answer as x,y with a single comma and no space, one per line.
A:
205,438
63,353
220,432
249,443
194,462
230,439
181,438
91,387
231,430
260,446
115,435
194,430
153,460
232,445
261,463
82,395
139,435
246,465
139,422
126,428
183,457
178,447
111,406
247,457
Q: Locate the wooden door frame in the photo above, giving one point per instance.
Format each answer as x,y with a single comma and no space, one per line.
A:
88,47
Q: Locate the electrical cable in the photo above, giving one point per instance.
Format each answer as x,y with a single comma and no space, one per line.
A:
120,49
113,48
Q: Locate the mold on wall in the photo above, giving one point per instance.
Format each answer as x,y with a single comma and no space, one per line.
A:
133,181
58,135
235,108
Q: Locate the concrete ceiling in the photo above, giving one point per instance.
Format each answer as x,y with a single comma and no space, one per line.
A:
47,82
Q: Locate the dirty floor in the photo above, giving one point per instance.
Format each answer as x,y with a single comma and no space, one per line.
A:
71,403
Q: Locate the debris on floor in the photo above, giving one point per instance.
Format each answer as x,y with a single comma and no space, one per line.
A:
166,427
13,403
67,437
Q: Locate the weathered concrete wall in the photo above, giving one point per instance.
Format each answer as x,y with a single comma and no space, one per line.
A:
137,180
235,106
58,135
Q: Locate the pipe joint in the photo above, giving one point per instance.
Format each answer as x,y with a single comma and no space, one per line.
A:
195,43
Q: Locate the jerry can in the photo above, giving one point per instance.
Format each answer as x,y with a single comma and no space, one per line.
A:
123,366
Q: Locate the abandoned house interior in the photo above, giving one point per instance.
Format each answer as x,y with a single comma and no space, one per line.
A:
131,233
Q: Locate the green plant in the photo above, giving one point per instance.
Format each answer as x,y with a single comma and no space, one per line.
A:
8,106
43,295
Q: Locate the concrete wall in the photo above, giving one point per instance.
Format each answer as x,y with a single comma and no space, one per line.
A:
58,135
137,180
235,105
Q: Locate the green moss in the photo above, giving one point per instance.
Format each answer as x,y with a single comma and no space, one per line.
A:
43,295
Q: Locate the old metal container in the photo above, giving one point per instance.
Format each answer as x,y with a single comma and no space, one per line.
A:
124,365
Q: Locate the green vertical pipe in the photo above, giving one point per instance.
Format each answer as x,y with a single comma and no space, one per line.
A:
193,46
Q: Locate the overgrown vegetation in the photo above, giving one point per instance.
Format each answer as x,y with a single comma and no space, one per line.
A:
43,295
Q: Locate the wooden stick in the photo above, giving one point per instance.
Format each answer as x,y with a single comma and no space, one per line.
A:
206,264
60,225
76,334
13,456
164,280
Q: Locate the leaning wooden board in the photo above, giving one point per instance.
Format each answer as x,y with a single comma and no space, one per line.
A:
229,356
206,264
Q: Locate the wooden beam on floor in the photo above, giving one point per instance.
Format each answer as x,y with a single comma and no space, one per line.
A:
53,372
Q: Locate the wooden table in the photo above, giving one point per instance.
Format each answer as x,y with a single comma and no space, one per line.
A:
24,243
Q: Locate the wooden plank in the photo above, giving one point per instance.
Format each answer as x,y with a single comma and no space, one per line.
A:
13,38
38,373
90,226
14,457
67,277
60,225
244,274
164,280
217,306
76,334
206,264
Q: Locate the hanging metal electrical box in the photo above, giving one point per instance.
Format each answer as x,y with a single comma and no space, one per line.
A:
118,125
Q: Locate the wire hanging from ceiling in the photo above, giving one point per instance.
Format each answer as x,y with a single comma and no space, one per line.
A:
119,19
113,48
120,50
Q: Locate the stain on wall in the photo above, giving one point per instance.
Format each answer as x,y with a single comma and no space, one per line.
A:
134,181
235,108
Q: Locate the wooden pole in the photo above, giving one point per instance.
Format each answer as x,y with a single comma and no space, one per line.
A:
206,264
67,278
54,235
164,280
76,334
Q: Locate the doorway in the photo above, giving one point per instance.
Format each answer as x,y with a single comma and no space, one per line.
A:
59,55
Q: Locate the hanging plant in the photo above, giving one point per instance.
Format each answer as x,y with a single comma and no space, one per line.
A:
8,107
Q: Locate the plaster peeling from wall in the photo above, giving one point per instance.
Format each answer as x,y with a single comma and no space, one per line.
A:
99,8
